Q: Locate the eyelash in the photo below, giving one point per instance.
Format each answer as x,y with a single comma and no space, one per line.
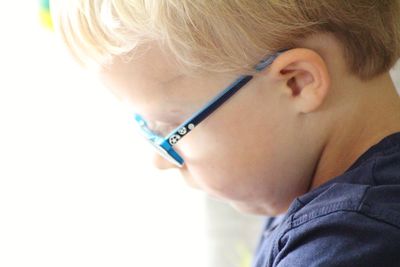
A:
161,130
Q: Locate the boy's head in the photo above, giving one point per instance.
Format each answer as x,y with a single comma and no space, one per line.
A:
296,124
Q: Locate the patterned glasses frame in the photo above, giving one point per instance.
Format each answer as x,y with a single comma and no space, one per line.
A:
164,145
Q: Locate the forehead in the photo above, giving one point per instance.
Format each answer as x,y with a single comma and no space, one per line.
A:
154,85
147,67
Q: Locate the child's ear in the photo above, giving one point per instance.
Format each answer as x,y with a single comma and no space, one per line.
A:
304,77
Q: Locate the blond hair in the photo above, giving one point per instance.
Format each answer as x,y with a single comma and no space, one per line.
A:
230,35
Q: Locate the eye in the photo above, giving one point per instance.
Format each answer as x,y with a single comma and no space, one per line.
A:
161,128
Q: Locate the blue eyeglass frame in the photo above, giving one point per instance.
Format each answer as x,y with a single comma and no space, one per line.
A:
164,145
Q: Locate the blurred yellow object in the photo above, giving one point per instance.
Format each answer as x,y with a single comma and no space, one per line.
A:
245,255
45,19
44,14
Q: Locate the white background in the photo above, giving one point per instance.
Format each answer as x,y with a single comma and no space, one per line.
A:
76,186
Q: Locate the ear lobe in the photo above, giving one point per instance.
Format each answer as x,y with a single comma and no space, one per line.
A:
304,76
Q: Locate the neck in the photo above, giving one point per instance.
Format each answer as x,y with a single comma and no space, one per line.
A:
373,114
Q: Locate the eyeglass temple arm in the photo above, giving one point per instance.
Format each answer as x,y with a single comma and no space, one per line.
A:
223,96
198,117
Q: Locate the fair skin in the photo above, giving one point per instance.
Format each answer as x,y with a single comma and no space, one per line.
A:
298,124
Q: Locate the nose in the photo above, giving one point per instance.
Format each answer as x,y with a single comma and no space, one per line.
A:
161,163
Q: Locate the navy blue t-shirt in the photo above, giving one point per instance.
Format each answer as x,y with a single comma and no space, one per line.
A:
352,220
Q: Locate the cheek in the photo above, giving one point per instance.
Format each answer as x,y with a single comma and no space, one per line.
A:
231,165
237,153
244,166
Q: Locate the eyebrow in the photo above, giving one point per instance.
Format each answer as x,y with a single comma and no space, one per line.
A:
169,117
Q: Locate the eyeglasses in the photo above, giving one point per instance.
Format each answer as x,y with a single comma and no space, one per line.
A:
164,145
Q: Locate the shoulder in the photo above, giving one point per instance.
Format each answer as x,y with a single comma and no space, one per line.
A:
379,201
346,225
352,220
340,238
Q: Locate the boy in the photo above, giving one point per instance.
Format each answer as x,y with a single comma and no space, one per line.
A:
289,106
